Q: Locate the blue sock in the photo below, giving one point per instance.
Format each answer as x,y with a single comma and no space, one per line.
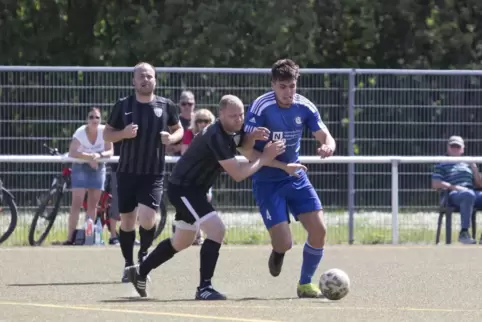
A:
311,259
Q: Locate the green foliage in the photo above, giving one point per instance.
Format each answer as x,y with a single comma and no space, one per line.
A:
331,33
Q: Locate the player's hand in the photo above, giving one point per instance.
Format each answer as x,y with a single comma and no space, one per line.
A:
95,156
272,150
325,151
292,168
165,137
259,134
130,131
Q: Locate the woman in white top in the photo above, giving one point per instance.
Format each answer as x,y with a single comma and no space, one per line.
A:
88,144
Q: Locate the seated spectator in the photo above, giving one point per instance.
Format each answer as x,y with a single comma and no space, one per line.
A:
459,179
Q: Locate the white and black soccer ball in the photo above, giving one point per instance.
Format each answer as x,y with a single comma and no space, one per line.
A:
334,284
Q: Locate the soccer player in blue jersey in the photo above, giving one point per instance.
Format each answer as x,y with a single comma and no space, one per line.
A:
281,115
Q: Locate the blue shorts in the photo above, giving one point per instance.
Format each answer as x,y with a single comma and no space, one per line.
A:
276,199
86,177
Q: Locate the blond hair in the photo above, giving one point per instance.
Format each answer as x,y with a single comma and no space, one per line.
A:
200,114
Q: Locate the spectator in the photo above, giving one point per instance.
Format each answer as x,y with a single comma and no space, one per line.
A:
187,103
201,119
459,179
87,144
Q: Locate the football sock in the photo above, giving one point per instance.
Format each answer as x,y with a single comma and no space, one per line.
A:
209,258
126,240
161,254
311,259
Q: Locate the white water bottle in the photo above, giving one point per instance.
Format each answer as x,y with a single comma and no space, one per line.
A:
98,232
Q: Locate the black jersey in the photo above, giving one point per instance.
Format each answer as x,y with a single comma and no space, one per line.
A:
145,153
199,165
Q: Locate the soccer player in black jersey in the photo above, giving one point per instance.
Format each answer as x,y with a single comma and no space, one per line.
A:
210,152
143,123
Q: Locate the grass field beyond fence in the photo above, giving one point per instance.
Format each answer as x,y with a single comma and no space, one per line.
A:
247,228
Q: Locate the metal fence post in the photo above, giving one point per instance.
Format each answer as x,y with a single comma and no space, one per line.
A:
351,152
395,196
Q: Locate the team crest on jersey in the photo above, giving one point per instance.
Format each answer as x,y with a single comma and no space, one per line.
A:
158,111
298,120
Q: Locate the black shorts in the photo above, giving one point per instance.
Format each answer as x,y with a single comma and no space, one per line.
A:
134,189
192,206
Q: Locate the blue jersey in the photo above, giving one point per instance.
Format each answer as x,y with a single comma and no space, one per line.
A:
284,124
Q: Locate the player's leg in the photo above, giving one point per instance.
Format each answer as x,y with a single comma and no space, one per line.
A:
214,229
306,207
149,196
274,211
127,203
113,213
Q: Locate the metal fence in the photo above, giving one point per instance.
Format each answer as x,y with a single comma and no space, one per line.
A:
369,112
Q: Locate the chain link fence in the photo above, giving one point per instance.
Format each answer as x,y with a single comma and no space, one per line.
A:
369,112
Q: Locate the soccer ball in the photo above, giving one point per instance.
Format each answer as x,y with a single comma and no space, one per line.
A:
334,284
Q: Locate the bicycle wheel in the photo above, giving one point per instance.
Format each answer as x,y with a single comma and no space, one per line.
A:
52,198
7,200
162,220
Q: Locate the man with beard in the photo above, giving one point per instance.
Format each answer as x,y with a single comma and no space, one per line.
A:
141,122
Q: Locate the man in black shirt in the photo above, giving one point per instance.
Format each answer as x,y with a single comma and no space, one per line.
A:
210,152
141,122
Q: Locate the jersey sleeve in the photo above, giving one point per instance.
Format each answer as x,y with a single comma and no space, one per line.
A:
438,173
173,113
220,148
116,119
313,119
253,120
77,133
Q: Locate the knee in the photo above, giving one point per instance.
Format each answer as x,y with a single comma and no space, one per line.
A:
317,235
467,195
282,245
128,222
214,229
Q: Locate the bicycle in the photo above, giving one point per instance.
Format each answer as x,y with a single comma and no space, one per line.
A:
59,185
7,199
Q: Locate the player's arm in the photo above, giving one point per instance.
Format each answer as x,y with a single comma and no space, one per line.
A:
255,131
240,171
114,128
174,124
320,130
290,168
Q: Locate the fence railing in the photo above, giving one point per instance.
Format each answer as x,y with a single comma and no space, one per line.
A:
369,112
394,161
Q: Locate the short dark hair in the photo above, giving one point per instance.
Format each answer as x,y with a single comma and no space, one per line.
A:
285,69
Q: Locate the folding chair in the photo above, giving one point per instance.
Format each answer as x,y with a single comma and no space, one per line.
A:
447,209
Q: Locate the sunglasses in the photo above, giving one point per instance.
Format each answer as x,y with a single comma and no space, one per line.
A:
91,117
202,121
187,104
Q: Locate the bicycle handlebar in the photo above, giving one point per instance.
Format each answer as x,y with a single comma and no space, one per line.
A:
52,151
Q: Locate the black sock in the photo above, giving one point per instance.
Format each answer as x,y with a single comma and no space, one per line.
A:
147,237
209,258
161,254
278,257
126,240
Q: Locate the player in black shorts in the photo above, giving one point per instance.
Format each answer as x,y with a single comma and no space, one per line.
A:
141,122
210,151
